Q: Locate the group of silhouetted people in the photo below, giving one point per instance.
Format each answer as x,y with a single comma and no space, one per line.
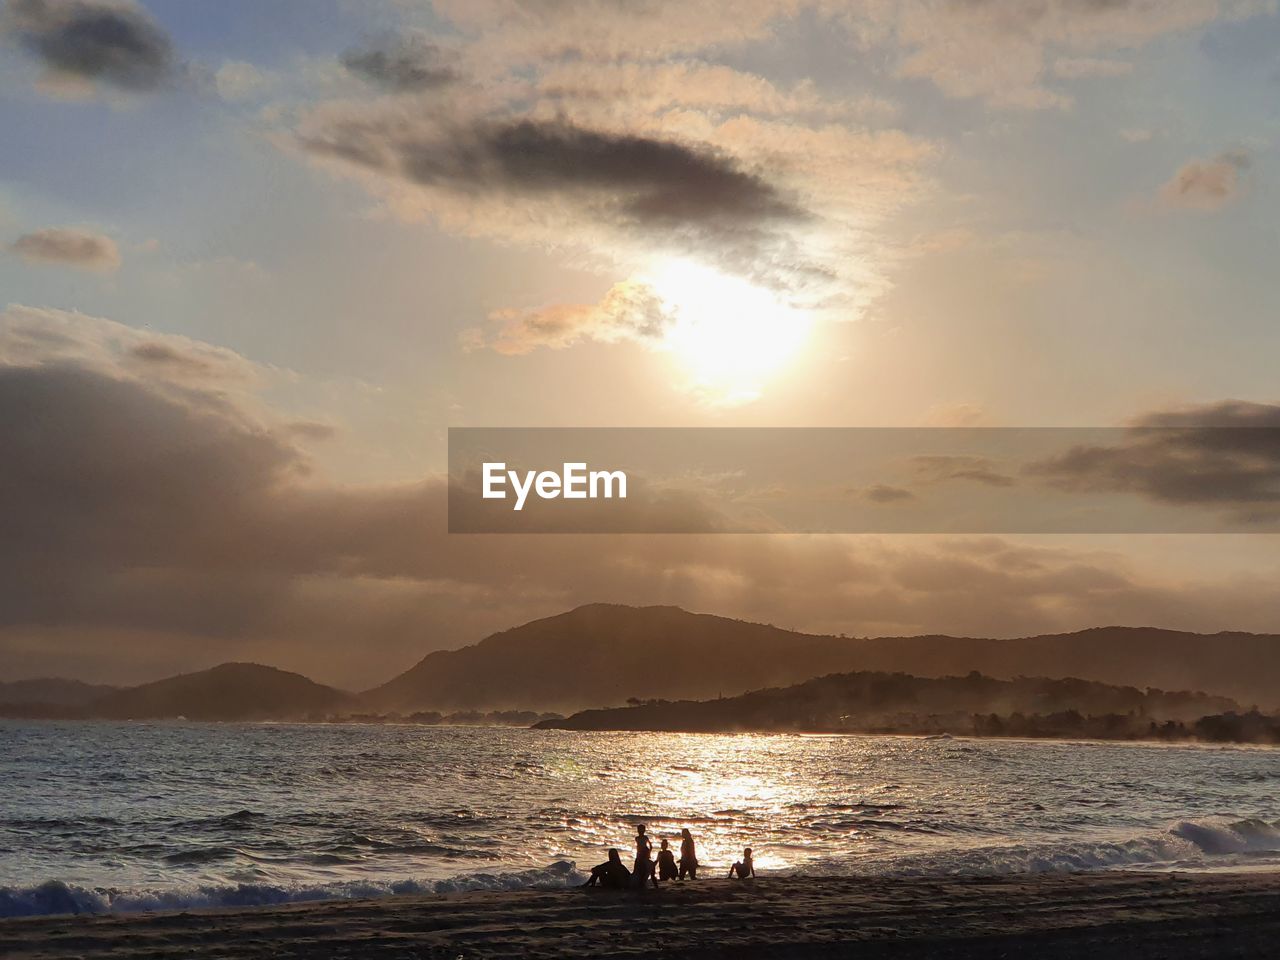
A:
613,872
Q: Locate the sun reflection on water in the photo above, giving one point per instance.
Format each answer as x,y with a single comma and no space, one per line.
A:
293,806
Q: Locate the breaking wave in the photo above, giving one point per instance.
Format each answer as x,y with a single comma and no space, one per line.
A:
56,897
1187,845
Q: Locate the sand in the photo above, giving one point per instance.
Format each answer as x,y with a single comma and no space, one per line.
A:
1049,916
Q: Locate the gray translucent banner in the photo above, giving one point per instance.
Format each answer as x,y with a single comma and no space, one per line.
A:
1167,479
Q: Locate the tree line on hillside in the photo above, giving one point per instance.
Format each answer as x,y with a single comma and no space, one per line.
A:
972,705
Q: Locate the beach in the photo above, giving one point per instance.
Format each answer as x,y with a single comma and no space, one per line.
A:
1066,915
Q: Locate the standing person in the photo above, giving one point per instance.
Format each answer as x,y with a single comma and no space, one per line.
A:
745,867
688,856
644,859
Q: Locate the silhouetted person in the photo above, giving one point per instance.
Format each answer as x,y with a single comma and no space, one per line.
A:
745,867
688,856
666,863
612,874
644,859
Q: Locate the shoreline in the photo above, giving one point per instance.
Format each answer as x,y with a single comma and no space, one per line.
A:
1053,915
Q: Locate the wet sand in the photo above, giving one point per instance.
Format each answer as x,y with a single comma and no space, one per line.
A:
1049,916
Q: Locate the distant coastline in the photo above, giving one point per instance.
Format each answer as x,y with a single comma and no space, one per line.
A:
429,718
1115,683
969,706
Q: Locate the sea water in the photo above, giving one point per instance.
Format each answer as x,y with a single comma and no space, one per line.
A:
134,816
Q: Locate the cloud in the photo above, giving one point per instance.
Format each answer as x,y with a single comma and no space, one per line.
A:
631,179
646,87
1207,184
516,31
978,469
311,430
1220,455
157,521
599,134
883,493
112,42
159,353
36,336
402,63
69,246
784,204
630,310
1002,52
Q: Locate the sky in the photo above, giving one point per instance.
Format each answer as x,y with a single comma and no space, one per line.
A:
256,259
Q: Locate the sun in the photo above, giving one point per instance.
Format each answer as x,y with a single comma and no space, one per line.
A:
730,335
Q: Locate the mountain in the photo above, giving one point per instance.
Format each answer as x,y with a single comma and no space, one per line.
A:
1244,666
52,691
872,701
232,691
602,655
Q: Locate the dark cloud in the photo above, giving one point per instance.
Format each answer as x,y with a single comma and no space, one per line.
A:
312,430
156,352
883,493
146,530
404,64
111,468
637,179
73,247
1225,454
977,469
115,43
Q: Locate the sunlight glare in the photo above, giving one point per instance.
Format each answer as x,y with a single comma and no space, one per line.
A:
729,334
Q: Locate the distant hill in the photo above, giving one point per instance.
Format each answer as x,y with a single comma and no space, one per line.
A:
601,655
1244,666
895,701
52,691
232,691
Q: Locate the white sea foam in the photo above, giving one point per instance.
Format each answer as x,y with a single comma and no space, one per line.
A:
56,897
128,817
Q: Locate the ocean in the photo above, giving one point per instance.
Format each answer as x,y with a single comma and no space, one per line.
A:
99,817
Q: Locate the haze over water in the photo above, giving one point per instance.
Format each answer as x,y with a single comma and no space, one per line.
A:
131,816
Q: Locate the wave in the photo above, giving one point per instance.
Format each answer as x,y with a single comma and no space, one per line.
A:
1240,836
57,897
1187,845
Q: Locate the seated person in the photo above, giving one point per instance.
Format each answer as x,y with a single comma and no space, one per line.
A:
745,867
667,869
612,874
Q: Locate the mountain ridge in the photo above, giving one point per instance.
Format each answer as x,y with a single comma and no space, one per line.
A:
52,691
601,655
870,701
612,652
229,691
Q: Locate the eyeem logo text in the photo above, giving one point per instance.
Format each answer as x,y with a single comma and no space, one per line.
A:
574,482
